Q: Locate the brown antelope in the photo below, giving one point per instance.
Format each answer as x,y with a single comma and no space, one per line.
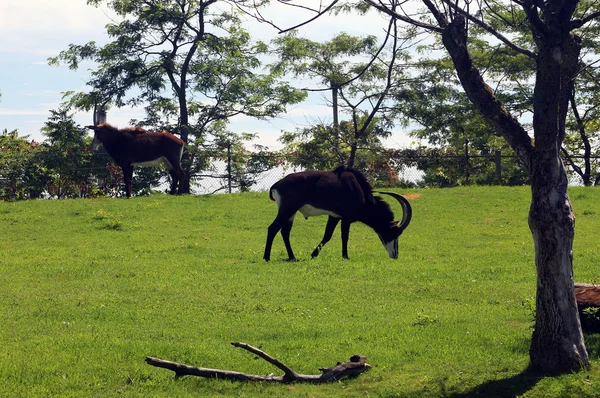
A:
137,147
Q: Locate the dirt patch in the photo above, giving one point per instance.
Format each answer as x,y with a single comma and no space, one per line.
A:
412,196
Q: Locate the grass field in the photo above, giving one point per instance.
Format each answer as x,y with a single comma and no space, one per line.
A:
92,287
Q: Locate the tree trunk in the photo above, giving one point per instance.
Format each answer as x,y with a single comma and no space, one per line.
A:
557,344
184,182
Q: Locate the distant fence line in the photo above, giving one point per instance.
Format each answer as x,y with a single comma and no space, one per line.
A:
222,181
219,177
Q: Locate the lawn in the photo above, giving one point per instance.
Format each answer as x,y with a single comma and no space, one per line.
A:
92,287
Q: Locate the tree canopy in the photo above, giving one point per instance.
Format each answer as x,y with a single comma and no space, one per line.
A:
188,62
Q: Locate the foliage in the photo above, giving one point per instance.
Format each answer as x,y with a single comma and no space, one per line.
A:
446,117
361,74
22,174
68,156
326,62
449,168
188,62
319,148
91,287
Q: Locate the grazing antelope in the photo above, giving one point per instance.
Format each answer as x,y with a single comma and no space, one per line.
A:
137,147
343,194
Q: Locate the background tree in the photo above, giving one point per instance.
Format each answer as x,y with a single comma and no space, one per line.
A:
511,75
67,156
327,63
580,148
22,174
361,75
311,148
452,127
188,61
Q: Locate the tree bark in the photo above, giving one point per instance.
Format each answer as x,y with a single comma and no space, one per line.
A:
557,345
353,368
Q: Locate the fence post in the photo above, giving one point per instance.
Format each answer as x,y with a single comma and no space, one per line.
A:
467,161
498,159
229,165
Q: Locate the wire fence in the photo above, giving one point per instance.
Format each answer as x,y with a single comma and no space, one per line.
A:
468,169
221,176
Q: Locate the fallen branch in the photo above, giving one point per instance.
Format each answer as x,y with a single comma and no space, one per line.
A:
588,305
350,369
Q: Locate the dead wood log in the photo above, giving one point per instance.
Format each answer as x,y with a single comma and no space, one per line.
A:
588,297
354,367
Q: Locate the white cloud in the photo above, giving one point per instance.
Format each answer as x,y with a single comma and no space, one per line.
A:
42,27
23,112
36,29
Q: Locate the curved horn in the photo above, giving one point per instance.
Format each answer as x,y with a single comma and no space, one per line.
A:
406,208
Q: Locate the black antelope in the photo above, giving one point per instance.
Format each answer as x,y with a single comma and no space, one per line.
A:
343,194
137,147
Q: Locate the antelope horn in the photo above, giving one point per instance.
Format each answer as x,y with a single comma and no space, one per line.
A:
406,208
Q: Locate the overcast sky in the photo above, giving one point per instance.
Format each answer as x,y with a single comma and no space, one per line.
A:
34,30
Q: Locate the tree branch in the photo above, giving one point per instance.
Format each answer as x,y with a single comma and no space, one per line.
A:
455,41
321,13
491,30
578,23
353,368
403,18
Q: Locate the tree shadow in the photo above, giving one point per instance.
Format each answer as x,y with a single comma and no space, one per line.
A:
592,343
514,386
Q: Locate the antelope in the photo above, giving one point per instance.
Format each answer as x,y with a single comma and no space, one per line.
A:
137,147
342,194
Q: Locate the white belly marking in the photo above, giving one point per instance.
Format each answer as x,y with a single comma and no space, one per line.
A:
156,162
311,211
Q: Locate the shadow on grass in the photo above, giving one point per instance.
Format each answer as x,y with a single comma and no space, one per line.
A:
592,343
523,382
514,386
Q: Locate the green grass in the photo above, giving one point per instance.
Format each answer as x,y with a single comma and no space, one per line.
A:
92,287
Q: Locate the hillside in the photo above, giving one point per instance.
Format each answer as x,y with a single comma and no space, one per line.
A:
91,287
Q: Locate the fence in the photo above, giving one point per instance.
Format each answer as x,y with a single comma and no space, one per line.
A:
468,169
220,179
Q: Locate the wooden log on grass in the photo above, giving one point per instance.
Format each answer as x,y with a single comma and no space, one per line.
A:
354,367
588,305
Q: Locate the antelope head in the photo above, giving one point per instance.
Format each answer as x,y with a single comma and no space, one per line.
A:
389,237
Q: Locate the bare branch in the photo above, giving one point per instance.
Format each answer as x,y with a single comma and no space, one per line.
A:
492,31
321,13
350,369
578,23
403,18
481,95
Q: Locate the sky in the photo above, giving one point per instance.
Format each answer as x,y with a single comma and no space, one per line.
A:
34,30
